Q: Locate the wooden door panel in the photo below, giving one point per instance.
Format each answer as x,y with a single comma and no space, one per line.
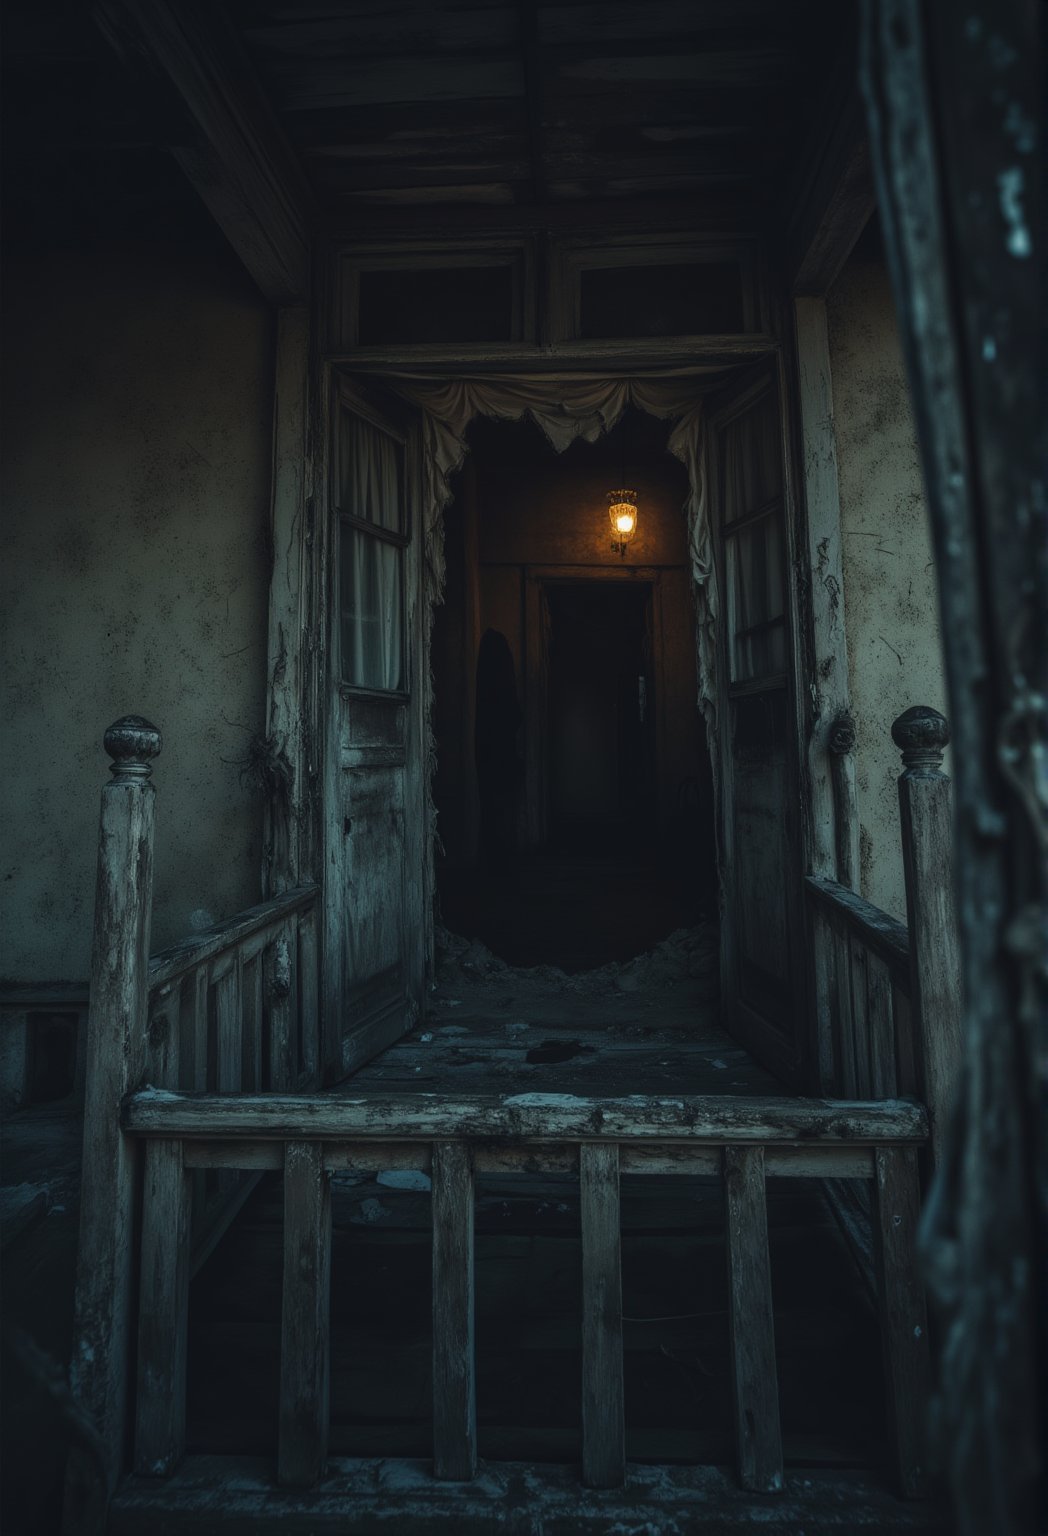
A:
759,827
374,901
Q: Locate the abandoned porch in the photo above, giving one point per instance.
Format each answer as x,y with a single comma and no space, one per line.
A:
505,1071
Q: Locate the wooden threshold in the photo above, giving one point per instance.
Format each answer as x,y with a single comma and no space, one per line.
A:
223,1495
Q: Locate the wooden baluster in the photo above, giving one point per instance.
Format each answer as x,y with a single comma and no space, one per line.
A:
163,1312
309,995
226,983
454,1349
280,997
860,1023
193,1071
755,1387
880,1028
904,1324
603,1414
165,1030
843,1003
305,1345
251,982
825,1010
935,966
841,744
116,1059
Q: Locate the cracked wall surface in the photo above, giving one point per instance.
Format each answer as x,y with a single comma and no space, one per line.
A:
138,384
890,594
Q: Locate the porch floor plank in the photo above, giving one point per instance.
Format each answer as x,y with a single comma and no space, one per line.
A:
234,1496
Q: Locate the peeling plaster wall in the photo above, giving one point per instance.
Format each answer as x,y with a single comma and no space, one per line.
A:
890,596
138,408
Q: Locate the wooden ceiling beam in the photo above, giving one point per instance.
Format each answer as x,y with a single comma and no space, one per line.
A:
215,120
830,198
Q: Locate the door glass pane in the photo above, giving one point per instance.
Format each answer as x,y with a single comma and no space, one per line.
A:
756,615
371,473
371,587
752,458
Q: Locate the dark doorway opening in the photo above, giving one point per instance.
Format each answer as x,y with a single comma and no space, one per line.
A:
601,710
572,784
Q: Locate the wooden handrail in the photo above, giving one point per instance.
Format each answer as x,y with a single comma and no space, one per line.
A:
185,955
540,1118
884,936
310,1138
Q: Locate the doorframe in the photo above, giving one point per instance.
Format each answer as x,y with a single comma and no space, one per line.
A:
535,579
298,665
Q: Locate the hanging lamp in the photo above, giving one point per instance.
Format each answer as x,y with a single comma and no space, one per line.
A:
622,506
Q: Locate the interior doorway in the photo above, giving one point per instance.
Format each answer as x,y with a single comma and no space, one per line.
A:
572,786
601,709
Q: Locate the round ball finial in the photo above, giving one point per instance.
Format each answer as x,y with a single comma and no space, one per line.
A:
841,738
131,742
921,734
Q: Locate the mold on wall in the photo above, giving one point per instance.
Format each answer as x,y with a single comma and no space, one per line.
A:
890,594
138,405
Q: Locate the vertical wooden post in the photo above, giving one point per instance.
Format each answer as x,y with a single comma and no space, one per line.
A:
305,1344
841,745
935,964
163,1312
904,1324
279,969
603,1414
454,1350
755,1387
116,1057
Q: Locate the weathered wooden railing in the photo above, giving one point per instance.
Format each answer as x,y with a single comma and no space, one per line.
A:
231,1009
745,1141
887,994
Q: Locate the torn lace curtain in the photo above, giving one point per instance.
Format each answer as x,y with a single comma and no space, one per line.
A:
565,409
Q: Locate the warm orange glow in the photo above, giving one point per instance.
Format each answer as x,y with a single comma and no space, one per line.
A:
622,510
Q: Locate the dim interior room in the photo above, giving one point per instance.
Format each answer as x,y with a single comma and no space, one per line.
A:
572,786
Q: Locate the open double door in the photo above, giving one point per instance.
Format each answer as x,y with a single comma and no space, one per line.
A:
376,826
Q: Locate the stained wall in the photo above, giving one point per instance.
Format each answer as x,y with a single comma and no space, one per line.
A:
890,597
137,404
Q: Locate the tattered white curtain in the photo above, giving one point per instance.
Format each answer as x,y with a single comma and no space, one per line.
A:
566,409
372,623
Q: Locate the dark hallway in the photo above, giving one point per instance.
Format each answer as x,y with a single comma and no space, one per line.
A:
573,786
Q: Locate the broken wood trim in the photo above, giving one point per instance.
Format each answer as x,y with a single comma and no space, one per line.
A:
539,1118
117,1060
926,818
289,769
454,1345
603,1403
222,131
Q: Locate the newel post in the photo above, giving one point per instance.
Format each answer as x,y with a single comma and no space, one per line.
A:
116,1056
925,813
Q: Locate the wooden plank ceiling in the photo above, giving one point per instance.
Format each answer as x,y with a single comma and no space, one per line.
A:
423,103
